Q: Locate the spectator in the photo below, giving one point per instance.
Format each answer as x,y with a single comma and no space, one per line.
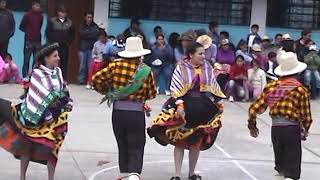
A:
141,35
301,44
225,35
97,62
133,30
213,32
272,64
225,54
7,27
288,43
242,49
60,29
256,79
210,48
186,39
110,51
173,40
266,45
31,25
162,62
2,64
237,85
89,33
277,42
253,37
9,71
312,60
258,56
156,31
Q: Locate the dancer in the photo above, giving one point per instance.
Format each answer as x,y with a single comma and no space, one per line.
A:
289,105
35,129
191,117
127,83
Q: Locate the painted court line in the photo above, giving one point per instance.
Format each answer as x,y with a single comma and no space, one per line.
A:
236,162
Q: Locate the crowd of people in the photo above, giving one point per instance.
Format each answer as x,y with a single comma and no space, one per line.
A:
200,68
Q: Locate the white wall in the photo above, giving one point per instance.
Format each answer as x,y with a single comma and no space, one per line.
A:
259,15
101,11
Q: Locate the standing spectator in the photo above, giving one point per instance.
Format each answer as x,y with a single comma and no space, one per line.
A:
253,37
97,62
60,29
213,32
156,31
272,64
256,52
174,42
89,32
133,30
225,54
31,25
312,60
210,48
242,49
238,80
162,62
256,79
9,71
225,35
266,45
7,27
301,48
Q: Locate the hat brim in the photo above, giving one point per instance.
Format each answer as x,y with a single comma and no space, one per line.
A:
301,67
257,50
131,54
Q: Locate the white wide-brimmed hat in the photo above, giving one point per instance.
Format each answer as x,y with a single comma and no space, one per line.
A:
256,47
205,41
313,48
134,48
288,64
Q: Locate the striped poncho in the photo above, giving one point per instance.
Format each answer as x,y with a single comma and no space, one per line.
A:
184,74
46,86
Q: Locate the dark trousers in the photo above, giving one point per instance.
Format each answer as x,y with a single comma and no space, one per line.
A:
287,150
4,48
30,48
129,130
64,55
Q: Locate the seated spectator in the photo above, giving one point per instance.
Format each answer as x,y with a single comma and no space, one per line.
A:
277,42
237,85
302,44
288,43
210,48
312,60
111,49
253,37
225,54
267,45
9,70
221,72
156,31
272,64
225,35
185,40
256,80
256,53
97,62
162,62
242,49
133,30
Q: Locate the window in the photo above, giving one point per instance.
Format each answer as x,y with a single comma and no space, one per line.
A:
294,13
235,12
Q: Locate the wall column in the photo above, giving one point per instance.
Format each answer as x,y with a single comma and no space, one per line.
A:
259,15
101,12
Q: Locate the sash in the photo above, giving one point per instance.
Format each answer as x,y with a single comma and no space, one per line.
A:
132,87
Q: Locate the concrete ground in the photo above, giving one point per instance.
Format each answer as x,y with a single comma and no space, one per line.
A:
235,156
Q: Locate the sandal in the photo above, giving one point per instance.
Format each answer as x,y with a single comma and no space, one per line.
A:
175,178
195,177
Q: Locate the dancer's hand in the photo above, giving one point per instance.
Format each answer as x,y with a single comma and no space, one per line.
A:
254,132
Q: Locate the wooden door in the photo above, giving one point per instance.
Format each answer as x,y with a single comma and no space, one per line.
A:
76,10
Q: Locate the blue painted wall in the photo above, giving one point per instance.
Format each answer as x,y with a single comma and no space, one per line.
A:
17,41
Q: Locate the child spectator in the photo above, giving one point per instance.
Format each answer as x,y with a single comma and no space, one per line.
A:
10,71
238,76
242,49
272,64
253,37
97,64
256,79
110,51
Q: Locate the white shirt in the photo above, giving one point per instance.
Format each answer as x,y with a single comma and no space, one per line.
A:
251,38
257,78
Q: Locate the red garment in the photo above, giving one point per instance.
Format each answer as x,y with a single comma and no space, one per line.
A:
93,69
237,70
31,25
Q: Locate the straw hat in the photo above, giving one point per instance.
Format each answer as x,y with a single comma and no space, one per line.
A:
134,48
205,41
288,64
256,47
224,41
